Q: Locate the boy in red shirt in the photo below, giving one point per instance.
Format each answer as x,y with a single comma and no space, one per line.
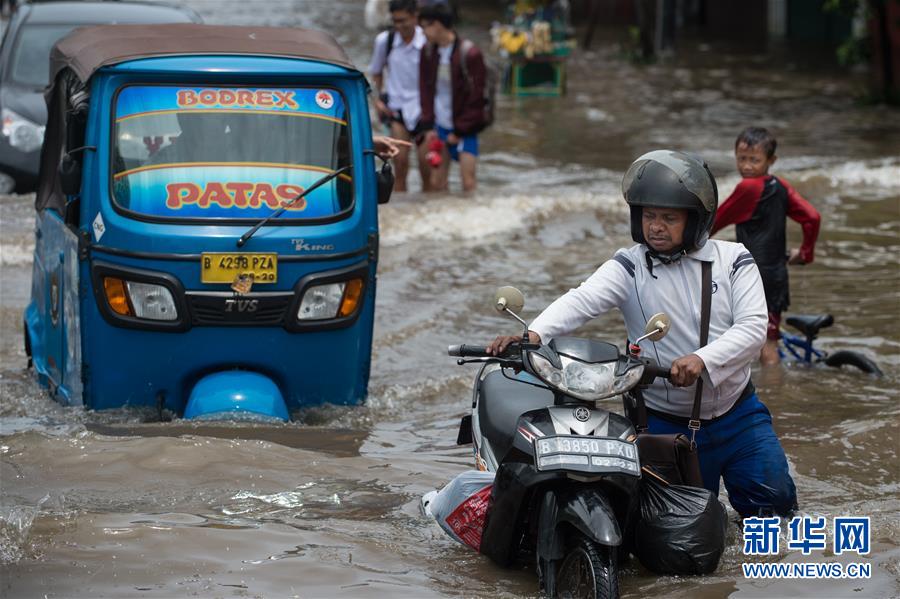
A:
758,207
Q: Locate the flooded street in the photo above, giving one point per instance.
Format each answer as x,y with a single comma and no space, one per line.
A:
112,504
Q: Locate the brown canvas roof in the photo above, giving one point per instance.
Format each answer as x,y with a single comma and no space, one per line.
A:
88,48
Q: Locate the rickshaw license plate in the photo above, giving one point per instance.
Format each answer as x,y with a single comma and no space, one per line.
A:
223,267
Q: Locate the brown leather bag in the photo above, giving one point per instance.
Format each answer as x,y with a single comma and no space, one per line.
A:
670,457
673,457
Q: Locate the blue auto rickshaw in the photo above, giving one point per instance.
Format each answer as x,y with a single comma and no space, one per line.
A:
206,236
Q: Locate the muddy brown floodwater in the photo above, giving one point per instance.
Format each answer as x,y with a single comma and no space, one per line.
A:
113,505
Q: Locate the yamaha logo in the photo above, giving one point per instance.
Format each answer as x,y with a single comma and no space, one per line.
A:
581,414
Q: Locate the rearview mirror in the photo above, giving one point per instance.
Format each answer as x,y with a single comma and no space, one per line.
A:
509,298
657,326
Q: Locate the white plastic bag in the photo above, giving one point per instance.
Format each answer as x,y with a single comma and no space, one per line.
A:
462,506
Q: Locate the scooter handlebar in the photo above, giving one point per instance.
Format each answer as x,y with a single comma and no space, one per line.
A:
467,351
653,371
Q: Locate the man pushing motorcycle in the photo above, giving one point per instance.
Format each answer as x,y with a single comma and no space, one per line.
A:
673,198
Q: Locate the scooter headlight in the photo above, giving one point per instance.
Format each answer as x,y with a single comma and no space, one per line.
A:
546,370
583,380
331,300
23,134
629,379
589,381
140,300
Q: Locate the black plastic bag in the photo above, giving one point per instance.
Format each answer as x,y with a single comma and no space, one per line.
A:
680,529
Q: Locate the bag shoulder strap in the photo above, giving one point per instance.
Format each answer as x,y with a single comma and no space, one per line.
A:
705,307
390,45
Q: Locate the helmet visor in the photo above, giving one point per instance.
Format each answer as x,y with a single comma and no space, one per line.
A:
690,173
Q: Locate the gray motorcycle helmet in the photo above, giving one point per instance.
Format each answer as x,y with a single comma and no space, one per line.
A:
672,179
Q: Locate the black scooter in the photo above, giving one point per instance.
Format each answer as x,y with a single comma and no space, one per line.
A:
567,470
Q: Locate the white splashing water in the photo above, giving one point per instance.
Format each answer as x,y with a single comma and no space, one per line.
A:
15,526
884,174
482,217
16,255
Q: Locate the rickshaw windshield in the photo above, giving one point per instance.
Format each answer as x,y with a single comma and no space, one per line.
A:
229,153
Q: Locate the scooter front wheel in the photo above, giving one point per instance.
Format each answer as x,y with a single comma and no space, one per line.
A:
589,571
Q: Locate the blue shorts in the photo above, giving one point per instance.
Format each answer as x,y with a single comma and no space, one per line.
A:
742,448
468,144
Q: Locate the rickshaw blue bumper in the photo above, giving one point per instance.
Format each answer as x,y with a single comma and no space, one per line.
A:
235,394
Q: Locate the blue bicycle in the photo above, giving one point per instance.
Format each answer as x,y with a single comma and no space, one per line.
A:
802,350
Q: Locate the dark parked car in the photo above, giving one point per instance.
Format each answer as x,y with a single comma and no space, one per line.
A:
24,70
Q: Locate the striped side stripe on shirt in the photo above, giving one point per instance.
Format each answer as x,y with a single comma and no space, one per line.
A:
742,260
627,264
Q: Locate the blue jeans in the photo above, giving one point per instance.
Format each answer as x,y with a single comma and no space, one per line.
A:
742,448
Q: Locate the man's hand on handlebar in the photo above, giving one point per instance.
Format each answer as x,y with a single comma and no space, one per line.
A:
686,370
499,345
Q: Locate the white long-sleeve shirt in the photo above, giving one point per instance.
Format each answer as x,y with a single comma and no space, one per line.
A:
737,327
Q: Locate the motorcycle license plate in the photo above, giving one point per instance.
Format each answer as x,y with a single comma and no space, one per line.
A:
224,267
586,454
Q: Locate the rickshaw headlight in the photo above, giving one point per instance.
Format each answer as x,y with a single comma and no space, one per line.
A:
153,302
139,300
321,301
331,300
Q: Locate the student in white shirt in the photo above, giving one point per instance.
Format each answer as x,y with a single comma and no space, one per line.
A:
398,50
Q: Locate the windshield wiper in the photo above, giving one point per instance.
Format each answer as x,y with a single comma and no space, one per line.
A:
246,236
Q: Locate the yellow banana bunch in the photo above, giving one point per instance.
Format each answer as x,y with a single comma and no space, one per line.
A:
513,41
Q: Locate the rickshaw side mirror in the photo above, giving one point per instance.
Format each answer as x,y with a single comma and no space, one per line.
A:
70,175
385,179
